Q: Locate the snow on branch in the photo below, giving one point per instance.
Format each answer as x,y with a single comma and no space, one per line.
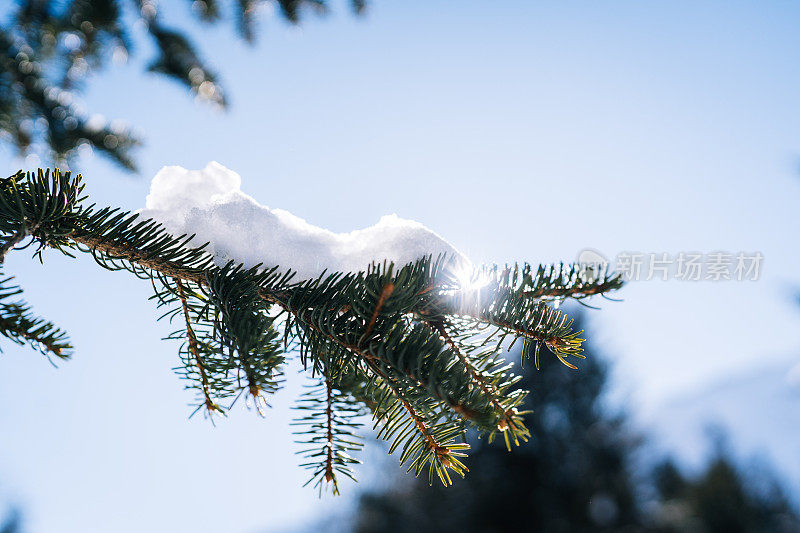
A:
390,320
210,205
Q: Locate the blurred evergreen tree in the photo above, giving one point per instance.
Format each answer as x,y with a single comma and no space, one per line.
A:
573,475
12,522
576,475
48,48
721,500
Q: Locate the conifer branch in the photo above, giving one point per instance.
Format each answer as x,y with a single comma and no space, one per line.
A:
576,281
509,417
330,420
406,341
575,292
438,455
118,250
561,340
440,451
18,324
373,361
12,241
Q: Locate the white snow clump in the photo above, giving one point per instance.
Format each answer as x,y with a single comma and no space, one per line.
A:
209,203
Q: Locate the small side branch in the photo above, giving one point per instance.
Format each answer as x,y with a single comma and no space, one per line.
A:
194,350
561,346
372,360
441,457
9,245
576,292
440,451
17,325
329,475
507,416
385,294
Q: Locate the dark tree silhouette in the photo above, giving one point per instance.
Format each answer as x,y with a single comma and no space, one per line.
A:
722,499
12,523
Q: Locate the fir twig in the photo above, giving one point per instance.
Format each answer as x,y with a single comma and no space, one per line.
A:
195,351
329,476
18,324
440,457
509,418
12,241
386,292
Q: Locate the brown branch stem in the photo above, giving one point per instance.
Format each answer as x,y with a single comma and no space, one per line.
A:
574,292
385,293
180,272
441,451
194,350
477,376
15,326
329,412
9,245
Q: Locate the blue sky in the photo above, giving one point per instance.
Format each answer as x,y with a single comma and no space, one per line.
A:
517,130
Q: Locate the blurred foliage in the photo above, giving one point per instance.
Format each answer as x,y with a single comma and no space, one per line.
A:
722,499
49,49
576,475
12,523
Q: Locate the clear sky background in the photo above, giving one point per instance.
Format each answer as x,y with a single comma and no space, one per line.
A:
517,130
